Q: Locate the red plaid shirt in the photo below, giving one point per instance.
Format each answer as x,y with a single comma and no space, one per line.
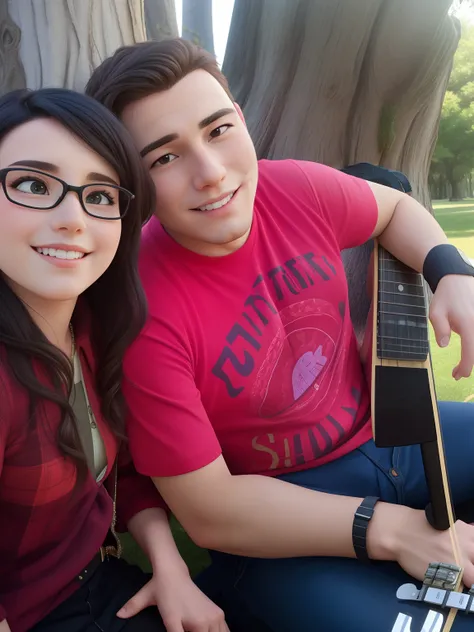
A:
47,534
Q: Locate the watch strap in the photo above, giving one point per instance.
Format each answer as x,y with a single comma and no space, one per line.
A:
362,517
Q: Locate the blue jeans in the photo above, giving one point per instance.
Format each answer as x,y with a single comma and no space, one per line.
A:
338,594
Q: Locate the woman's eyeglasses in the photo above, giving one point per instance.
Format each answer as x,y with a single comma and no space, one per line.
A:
39,190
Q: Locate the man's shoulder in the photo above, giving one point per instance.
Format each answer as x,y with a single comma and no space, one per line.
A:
163,279
293,168
291,175
155,260
273,169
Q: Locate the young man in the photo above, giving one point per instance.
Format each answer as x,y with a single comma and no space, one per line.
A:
248,403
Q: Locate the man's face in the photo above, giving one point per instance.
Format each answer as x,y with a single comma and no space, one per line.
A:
202,161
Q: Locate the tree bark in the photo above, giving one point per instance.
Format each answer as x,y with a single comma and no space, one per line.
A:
339,82
62,41
160,19
12,75
197,23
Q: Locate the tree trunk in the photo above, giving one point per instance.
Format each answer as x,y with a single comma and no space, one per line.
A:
339,82
62,41
456,190
12,75
197,23
160,19
455,184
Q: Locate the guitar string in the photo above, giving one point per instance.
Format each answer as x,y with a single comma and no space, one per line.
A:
389,343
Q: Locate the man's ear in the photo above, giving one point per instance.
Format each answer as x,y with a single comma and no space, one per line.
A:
240,113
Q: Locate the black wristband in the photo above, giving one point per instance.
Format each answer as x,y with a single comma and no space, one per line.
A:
443,260
360,525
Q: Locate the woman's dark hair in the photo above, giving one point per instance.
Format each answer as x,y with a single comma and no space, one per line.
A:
116,301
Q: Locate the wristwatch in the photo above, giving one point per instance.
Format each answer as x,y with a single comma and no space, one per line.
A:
445,259
362,517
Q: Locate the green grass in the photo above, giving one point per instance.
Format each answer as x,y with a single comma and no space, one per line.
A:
457,220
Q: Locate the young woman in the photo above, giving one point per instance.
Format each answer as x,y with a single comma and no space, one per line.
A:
73,198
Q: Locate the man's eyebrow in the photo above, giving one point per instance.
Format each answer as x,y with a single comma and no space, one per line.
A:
213,117
171,137
158,143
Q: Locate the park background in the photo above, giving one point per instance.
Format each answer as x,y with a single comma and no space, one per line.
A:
334,81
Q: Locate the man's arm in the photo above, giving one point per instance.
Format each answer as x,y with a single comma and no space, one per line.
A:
265,517
407,230
404,227
259,516
4,627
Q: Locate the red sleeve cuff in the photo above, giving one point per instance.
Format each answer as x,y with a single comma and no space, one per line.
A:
3,614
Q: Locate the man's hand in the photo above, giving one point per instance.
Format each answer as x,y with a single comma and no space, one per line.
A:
4,627
417,544
452,309
183,607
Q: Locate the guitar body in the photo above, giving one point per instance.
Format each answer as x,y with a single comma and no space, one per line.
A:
404,405
396,358
404,399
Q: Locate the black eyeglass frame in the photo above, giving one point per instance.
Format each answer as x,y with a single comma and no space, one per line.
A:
66,188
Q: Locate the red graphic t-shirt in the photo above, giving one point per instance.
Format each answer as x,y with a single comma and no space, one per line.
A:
253,355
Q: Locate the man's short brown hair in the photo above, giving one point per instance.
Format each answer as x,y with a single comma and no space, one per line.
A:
134,72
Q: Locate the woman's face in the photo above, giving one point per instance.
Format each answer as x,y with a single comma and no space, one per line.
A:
58,253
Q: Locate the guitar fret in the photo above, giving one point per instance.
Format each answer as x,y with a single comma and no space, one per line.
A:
399,282
402,329
391,292
417,353
403,304
390,342
411,340
385,311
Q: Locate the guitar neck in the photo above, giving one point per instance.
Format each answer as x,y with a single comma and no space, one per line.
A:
402,331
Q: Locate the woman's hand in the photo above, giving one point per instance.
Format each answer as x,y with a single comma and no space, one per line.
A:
183,607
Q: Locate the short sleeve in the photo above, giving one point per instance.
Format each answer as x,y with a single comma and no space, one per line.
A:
345,202
169,430
135,492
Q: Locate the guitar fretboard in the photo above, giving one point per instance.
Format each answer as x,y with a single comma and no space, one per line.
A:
402,326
